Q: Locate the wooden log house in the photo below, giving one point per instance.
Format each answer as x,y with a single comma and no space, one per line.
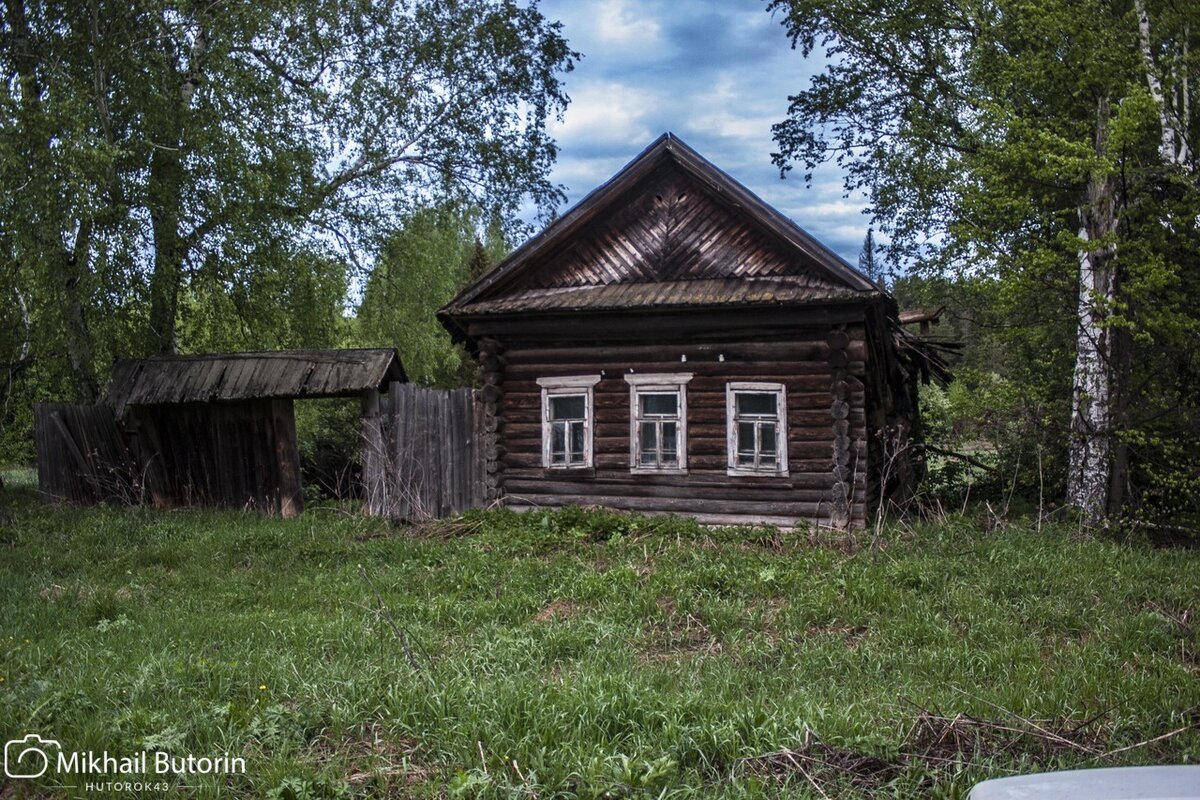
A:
674,344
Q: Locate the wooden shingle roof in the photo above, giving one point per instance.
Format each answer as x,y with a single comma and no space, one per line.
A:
251,375
669,229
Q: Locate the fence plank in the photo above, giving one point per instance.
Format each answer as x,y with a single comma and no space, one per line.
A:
429,462
82,455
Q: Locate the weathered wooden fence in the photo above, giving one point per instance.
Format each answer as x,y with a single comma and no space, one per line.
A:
422,452
82,454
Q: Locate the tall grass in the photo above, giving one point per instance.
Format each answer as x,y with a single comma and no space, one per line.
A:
573,654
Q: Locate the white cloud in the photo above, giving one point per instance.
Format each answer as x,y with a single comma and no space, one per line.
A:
615,23
605,112
837,209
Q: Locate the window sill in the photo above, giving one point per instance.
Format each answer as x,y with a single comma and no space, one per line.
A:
569,472
756,473
654,471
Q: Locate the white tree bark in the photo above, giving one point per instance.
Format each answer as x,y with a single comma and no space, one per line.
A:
1090,468
1174,148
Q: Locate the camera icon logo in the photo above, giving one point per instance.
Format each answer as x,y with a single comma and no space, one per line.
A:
27,758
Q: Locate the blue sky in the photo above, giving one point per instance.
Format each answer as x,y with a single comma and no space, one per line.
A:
715,72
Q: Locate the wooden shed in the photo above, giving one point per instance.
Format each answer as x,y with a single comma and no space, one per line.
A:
674,344
219,428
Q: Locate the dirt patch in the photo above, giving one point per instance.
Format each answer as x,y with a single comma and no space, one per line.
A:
371,755
824,767
53,593
558,611
134,593
851,635
938,739
679,634
945,745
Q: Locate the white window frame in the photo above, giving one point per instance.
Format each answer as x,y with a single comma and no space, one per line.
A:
660,383
732,389
570,385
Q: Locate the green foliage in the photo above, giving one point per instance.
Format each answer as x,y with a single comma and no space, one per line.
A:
1009,397
329,436
978,131
421,266
192,177
606,655
298,302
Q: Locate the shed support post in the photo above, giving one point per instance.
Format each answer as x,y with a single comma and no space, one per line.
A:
287,458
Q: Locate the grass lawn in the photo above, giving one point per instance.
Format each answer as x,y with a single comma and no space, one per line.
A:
588,654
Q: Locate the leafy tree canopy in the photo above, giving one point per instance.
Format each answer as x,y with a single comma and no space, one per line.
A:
156,155
1045,153
420,267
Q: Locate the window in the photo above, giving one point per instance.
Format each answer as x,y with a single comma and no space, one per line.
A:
658,423
757,415
567,421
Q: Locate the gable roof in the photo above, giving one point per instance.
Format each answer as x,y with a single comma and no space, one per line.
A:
669,229
251,375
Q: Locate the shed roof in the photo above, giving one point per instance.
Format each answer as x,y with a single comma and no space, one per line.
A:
669,228
251,375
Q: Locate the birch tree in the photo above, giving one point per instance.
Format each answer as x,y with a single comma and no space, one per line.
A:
1008,139
142,145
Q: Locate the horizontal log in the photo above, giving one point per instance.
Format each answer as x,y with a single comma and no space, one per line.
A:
805,346
697,445
614,384
730,370
818,478
689,505
702,405
783,523
802,458
682,489
656,324
801,427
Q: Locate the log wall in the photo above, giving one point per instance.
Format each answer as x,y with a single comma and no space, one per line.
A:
823,368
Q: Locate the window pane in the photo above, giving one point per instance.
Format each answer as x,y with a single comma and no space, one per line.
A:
558,443
663,404
669,437
567,406
745,439
648,449
758,403
576,442
649,436
767,437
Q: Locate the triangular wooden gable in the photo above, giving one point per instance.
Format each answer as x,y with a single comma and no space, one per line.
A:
668,217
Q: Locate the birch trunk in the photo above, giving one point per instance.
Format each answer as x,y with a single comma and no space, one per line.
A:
1173,148
1090,467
